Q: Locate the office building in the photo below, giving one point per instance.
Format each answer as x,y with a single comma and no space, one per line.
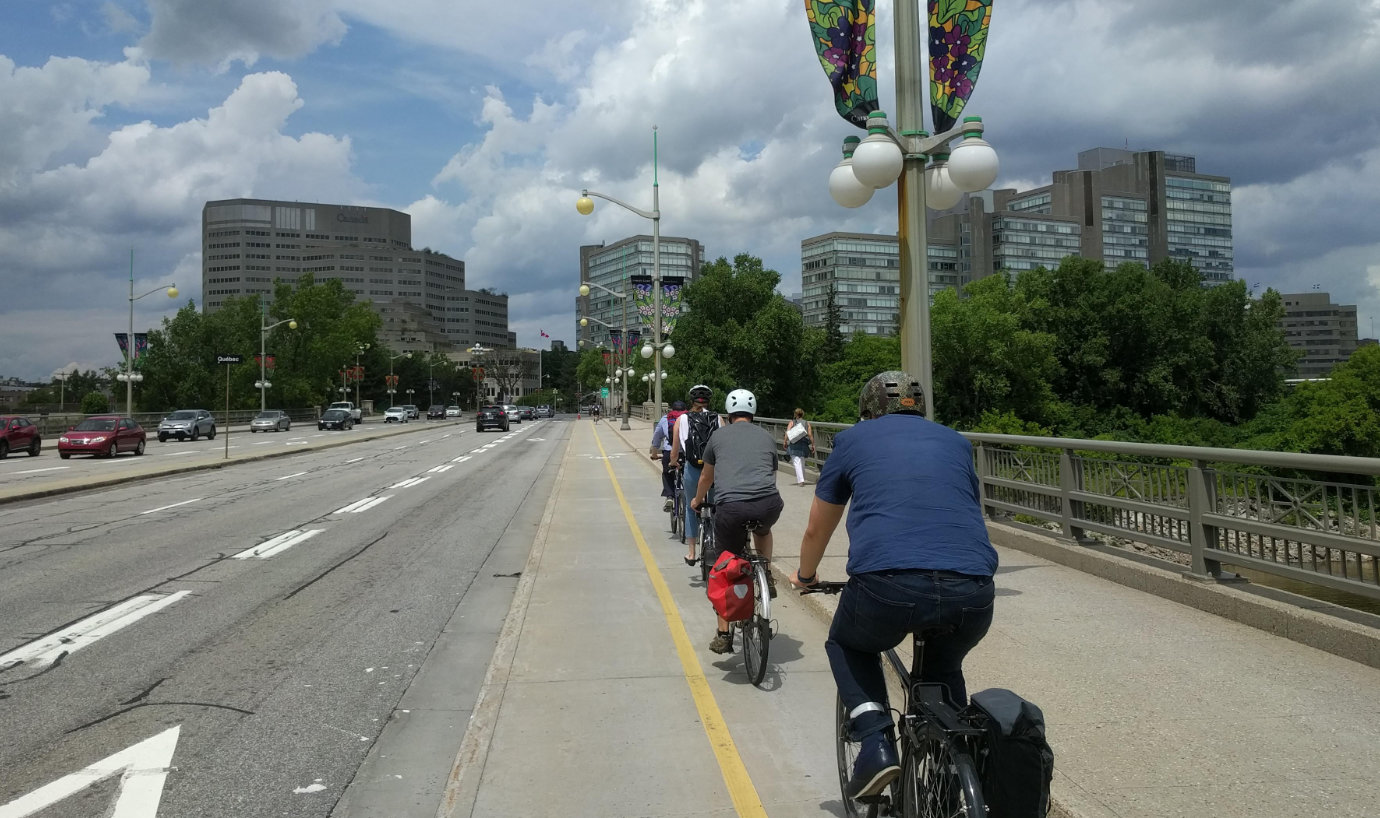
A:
864,273
613,266
419,294
1324,333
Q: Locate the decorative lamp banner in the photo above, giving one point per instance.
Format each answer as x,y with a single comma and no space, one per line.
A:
958,41
845,37
141,343
672,288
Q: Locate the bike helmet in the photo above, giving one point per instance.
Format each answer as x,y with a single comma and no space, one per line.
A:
700,393
892,392
677,406
740,402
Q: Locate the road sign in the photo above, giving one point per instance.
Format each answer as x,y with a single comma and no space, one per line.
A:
229,359
604,392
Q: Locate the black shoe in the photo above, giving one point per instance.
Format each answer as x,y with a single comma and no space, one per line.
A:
875,768
771,584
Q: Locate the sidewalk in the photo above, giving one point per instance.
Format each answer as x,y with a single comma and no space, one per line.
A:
1154,708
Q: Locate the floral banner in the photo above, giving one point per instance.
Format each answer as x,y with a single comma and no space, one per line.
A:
958,41
845,38
671,287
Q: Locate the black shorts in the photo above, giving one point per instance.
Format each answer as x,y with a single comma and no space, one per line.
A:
729,519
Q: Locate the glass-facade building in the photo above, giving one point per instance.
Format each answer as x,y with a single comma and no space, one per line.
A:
864,273
610,265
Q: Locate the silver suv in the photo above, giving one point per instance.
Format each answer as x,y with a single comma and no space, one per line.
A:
187,423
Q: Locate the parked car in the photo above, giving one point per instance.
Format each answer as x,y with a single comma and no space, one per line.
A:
103,436
271,420
514,413
187,423
452,411
413,413
491,417
529,413
395,414
545,411
336,419
17,434
436,410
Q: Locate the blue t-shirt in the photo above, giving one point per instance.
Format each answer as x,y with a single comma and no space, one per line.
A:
915,497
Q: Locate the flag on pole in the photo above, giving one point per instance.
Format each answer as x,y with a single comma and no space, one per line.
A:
844,34
543,333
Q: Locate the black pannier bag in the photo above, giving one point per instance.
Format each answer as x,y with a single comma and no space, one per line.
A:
1019,765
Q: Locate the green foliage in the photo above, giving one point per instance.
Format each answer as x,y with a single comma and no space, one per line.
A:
95,403
841,381
1337,416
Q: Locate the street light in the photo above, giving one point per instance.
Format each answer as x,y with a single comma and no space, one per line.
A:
475,352
393,379
877,160
585,206
620,358
359,376
129,376
262,383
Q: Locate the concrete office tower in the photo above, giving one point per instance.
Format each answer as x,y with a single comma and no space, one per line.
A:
609,264
864,272
1325,333
419,294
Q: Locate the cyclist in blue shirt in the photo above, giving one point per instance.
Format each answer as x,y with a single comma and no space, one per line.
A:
918,556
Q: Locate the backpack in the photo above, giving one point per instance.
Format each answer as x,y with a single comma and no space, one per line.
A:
1019,762
671,418
730,587
701,426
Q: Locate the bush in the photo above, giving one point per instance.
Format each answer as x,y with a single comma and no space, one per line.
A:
94,403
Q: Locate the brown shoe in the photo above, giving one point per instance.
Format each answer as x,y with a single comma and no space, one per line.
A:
722,643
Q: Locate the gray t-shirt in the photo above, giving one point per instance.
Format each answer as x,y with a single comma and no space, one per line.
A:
744,460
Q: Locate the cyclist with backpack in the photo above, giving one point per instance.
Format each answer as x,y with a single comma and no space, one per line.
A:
918,556
692,432
661,450
740,464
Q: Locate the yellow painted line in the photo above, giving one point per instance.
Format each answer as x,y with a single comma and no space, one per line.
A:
745,799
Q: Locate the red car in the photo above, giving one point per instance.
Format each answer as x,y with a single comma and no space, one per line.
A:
102,436
17,434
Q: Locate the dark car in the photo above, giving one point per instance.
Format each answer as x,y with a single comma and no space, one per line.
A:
413,413
17,434
336,419
529,413
436,410
187,423
102,436
491,417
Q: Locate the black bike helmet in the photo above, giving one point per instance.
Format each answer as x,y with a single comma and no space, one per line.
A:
892,392
678,406
699,393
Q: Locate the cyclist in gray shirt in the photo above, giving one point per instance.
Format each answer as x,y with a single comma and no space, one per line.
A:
740,464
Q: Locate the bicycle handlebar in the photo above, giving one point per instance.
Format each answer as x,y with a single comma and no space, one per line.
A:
823,588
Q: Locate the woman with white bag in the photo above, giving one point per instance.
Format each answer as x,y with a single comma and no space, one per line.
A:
800,442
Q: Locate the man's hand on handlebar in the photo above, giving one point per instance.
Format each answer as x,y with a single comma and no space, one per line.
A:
795,579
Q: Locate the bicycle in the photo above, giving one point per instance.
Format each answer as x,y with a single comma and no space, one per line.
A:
941,747
756,629
678,506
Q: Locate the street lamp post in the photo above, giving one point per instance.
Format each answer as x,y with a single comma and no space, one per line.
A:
656,348
876,161
262,384
129,376
359,350
477,351
392,379
620,356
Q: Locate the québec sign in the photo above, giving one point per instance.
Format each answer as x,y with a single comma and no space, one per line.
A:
229,359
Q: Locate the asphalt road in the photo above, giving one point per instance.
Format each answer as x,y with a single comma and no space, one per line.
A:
262,621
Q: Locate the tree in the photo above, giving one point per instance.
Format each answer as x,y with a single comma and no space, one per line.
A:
95,403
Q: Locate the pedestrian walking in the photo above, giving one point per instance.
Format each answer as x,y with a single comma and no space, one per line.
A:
800,443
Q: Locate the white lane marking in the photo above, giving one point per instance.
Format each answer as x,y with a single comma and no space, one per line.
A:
491,445
461,459
36,471
535,439
277,545
363,505
477,451
174,505
289,476
355,460
143,767
45,650
411,481
264,443
295,443
428,440
399,448
175,454
439,469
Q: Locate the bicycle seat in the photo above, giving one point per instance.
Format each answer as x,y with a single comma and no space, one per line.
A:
752,525
925,634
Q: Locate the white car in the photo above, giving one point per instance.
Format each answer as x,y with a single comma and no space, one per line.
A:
395,414
452,411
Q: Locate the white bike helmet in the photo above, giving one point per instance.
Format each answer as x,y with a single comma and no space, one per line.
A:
740,402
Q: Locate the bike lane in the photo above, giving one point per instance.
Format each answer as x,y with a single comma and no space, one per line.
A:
603,697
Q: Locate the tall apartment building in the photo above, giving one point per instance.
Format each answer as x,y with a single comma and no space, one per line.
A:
419,294
1325,333
1118,206
609,265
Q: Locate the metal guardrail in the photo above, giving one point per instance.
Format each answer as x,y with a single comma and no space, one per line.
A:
52,424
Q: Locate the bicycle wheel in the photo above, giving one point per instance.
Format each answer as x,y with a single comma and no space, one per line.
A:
938,780
757,630
847,754
677,517
708,551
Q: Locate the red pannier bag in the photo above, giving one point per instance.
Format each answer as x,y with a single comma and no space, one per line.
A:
730,587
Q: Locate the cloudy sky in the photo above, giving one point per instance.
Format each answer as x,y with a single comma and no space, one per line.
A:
119,119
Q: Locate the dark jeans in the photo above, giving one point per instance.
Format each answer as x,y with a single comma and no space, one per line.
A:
729,519
668,475
878,610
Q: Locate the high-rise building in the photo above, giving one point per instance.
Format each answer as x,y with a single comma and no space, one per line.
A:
1118,206
611,266
1324,333
419,294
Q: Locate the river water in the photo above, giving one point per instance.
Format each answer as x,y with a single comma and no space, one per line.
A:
1354,601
